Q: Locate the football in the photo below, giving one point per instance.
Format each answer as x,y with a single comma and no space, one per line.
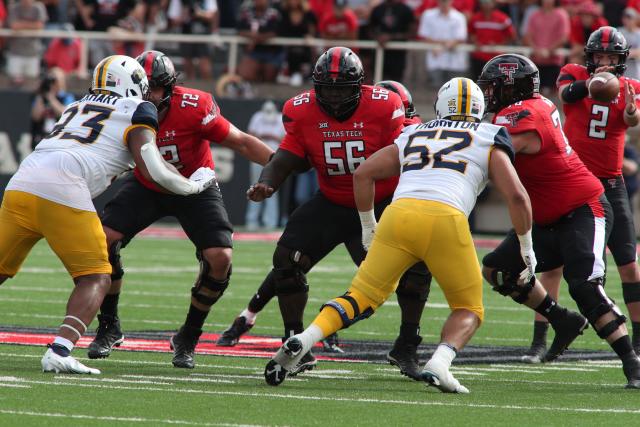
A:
604,87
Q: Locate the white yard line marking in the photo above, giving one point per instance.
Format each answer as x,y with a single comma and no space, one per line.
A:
13,385
191,379
112,380
545,367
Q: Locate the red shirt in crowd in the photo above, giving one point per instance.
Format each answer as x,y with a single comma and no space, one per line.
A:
184,136
579,34
555,178
497,29
65,55
335,149
333,27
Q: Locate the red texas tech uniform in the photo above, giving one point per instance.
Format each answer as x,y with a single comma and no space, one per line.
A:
335,149
192,123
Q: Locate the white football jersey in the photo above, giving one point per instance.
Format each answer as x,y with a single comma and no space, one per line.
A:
85,151
448,161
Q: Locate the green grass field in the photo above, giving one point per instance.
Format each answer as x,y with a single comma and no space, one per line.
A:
142,388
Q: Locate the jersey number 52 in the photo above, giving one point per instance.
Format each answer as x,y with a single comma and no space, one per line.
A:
418,144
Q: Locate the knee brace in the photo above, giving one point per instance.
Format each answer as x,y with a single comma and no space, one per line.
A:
415,285
340,303
207,290
289,268
593,303
506,283
114,259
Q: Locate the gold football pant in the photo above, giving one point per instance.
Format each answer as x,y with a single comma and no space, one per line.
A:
411,230
75,235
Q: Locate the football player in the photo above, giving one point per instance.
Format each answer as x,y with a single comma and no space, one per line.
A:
404,353
334,128
572,217
443,165
596,131
96,139
189,120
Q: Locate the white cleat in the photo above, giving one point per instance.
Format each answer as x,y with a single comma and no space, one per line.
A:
437,374
284,362
52,362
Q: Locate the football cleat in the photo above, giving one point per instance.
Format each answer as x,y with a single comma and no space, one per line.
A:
567,330
232,335
404,355
631,370
108,336
331,345
535,354
286,360
437,374
307,363
52,362
183,345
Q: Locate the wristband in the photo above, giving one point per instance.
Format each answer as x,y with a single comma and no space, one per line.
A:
368,218
526,242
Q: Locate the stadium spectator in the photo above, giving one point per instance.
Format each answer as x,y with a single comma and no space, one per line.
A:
588,18
392,20
631,33
228,12
259,22
487,27
613,10
3,13
341,23
467,7
66,54
447,28
49,103
320,7
297,21
547,30
266,125
133,23
195,17
23,54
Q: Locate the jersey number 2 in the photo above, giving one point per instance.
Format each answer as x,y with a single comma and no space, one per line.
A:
599,121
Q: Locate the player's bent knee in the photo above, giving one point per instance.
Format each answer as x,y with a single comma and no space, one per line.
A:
506,283
593,304
352,307
414,285
207,290
117,272
289,268
219,258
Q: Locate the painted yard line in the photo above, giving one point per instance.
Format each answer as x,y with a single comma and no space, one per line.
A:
112,380
124,419
195,380
520,369
546,367
5,385
351,400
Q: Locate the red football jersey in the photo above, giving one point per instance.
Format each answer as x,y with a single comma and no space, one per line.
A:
596,130
335,149
191,124
415,120
555,178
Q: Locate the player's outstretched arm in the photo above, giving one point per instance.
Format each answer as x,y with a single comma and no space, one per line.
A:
528,142
142,144
281,165
631,114
382,164
247,146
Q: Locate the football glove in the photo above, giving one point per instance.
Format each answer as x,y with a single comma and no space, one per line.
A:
204,177
369,223
528,256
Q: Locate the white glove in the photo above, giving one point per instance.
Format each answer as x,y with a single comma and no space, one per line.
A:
528,256
204,177
369,223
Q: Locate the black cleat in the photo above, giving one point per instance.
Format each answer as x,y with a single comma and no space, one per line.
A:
287,359
307,363
535,354
631,370
183,345
404,355
108,335
331,345
232,335
567,330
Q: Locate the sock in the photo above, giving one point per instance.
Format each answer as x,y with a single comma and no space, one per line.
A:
292,328
622,347
263,295
249,315
540,332
550,309
195,318
62,346
635,326
310,336
446,353
109,305
409,330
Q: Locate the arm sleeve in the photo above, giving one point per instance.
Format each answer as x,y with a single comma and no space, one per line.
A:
502,140
566,76
215,127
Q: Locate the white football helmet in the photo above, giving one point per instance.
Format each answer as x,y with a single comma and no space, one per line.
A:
460,98
121,75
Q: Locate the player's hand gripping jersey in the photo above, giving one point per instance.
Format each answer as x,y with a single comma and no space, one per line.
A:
448,161
335,149
84,152
596,130
191,124
555,178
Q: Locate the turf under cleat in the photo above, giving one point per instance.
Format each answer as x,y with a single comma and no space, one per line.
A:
404,355
108,336
437,374
53,362
286,360
232,335
331,345
535,354
183,345
567,330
